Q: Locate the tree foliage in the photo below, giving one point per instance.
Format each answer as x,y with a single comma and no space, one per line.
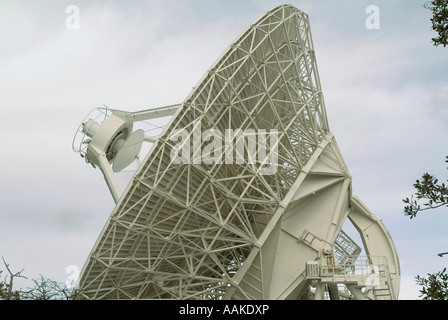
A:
43,289
439,10
47,289
435,287
429,189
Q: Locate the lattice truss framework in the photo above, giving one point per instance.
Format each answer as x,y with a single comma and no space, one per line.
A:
213,231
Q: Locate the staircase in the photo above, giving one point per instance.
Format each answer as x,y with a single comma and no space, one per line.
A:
384,291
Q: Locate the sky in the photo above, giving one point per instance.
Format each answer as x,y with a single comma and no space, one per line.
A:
385,91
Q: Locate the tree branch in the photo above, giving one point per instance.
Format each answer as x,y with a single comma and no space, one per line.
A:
10,293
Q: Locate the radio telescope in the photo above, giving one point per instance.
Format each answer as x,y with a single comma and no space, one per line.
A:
197,229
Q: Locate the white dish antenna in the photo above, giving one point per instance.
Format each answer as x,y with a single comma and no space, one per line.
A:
226,229
106,140
128,150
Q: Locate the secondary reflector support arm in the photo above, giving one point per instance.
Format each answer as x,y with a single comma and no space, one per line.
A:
149,113
109,176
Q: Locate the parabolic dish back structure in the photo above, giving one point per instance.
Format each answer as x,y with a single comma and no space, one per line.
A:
254,229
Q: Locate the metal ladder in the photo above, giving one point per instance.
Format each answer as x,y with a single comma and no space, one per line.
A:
384,292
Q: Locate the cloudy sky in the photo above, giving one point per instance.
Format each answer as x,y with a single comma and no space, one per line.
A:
386,94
